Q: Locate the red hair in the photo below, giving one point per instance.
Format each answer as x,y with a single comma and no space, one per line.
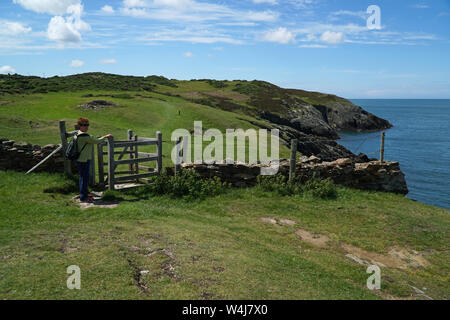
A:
82,120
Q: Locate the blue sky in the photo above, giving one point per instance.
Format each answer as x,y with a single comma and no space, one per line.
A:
320,45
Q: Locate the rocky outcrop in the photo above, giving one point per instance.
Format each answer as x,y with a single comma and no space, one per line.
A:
22,156
372,175
344,115
97,104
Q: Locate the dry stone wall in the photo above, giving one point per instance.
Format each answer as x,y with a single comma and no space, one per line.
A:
372,175
22,156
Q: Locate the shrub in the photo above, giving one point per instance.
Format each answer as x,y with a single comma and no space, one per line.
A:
323,189
187,184
315,187
279,184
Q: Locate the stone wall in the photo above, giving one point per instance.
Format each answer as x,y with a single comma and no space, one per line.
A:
22,156
372,175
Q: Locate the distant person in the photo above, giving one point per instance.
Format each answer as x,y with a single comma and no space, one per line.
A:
85,145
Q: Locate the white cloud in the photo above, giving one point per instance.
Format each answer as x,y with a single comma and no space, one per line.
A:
68,29
6,70
108,9
192,11
11,28
55,7
302,3
332,37
267,16
189,35
280,35
76,64
266,1
313,46
360,14
188,54
108,61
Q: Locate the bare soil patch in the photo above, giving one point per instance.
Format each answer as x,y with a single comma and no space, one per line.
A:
96,203
316,239
396,257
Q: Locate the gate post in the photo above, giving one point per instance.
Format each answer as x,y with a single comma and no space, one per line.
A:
136,156
63,135
130,150
159,164
92,169
111,163
177,156
101,172
292,162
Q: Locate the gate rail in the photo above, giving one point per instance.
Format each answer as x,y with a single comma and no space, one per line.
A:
135,158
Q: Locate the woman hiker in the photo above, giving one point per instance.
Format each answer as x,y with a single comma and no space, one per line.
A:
86,143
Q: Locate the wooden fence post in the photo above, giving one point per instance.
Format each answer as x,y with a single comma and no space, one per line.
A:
136,156
130,155
177,156
101,169
383,136
293,161
111,163
64,144
92,169
159,147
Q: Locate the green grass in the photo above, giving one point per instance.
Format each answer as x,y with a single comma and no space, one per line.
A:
217,248
34,118
212,249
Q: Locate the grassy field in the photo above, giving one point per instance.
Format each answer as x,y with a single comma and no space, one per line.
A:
232,246
34,118
218,248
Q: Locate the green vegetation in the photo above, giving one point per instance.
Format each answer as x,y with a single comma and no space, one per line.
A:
247,97
216,248
17,84
316,188
188,185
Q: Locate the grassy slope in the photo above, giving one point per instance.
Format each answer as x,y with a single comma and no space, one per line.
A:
145,113
221,248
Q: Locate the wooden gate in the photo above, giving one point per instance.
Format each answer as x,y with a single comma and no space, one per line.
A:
135,171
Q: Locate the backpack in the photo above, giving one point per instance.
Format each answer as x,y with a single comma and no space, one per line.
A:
72,152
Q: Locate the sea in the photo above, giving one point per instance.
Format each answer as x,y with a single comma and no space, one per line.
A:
419,140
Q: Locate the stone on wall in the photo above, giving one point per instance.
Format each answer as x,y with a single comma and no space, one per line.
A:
372,175
22,156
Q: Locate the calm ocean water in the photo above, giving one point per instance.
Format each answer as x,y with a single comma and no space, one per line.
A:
420,141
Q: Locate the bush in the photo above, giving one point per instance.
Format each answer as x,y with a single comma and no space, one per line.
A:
279,184
317,188
187,184
323,189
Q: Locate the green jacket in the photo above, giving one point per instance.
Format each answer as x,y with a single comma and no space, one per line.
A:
89,141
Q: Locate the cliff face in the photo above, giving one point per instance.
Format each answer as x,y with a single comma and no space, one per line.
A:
313,118
309,112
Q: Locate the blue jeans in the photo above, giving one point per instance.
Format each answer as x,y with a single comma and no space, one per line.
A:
83,169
